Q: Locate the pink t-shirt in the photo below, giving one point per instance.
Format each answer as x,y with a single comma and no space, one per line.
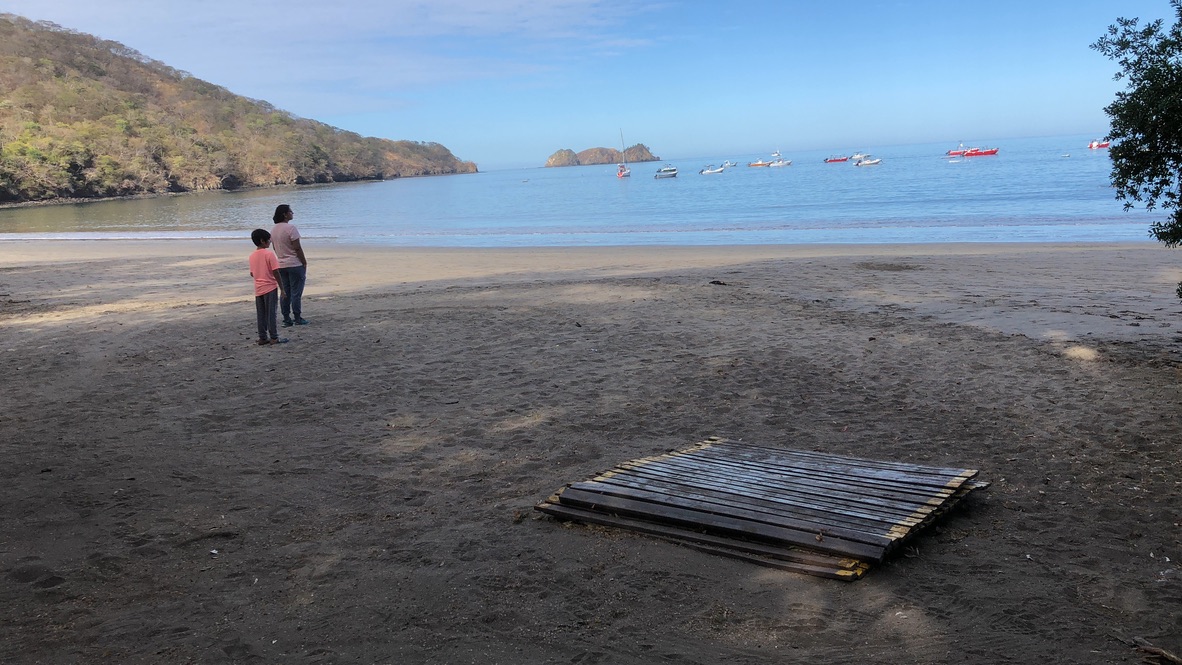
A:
283,237
262,265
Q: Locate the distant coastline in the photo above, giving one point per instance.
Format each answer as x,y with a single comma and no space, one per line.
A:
74,200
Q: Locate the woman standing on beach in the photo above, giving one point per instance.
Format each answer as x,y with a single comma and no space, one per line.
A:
293,266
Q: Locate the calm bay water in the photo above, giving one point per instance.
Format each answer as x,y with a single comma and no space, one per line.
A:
1034,190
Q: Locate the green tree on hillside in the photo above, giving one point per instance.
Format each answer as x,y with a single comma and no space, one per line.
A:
1147,119
82,117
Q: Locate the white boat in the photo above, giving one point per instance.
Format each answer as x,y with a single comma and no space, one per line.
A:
712,169
768,162
779,161
728,163
622,170
868,162
666,171
859,155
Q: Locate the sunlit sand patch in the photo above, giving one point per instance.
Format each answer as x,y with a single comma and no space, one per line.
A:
1080,353
519,423
1170,275
205,262
1056,335
66,314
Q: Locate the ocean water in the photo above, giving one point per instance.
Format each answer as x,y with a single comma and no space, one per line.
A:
1034,190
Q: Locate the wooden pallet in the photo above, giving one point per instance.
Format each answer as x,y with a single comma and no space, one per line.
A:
803,511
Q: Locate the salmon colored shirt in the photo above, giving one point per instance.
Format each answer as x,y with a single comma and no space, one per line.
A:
262,265
283,238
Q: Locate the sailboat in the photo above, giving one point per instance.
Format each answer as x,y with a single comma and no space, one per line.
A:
622,170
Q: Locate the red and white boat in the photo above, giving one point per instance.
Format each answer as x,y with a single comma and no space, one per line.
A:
961,151
1098,144
837,158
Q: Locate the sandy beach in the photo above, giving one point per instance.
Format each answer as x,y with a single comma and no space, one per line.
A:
174,493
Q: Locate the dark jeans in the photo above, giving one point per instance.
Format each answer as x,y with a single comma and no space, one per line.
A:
264,307
292,282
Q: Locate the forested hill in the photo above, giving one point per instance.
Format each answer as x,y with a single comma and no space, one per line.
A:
81,117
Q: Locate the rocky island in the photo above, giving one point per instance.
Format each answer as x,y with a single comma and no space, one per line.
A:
568,157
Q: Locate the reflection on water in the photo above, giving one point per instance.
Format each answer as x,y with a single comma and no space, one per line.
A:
1031,191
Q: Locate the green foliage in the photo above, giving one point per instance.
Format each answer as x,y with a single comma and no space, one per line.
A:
1147,119
82,117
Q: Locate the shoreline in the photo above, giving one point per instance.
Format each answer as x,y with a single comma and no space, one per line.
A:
1046,291
240,190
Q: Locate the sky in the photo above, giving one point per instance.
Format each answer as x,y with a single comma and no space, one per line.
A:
506,83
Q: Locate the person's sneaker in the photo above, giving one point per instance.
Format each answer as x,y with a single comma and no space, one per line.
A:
263,342
287,323
280,340
301,322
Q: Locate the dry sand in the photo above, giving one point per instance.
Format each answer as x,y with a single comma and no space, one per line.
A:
174,493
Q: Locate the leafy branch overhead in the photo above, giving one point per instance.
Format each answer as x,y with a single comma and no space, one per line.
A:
83,117
1146,118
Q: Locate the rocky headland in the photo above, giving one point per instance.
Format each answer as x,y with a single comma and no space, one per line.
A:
568,157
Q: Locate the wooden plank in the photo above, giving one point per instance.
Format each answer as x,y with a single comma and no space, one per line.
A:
826,493
882,490
671,532
879,536
785,558
802,535
842,574
753,493
898,487
830,498
731,469
795,506
773,465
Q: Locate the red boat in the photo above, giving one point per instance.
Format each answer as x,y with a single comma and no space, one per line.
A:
1098,144
958,151
979,152
836,158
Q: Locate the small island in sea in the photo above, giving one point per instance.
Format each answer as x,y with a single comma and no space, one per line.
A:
568,157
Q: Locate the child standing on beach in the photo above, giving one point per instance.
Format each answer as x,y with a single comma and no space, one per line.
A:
264,267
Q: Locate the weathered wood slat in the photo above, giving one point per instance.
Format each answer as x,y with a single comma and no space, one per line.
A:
655,502
887,503
804,536
802,505
895,481
903,488
795,460
840,567
857,508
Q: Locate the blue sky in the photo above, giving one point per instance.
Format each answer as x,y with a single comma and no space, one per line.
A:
505,83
